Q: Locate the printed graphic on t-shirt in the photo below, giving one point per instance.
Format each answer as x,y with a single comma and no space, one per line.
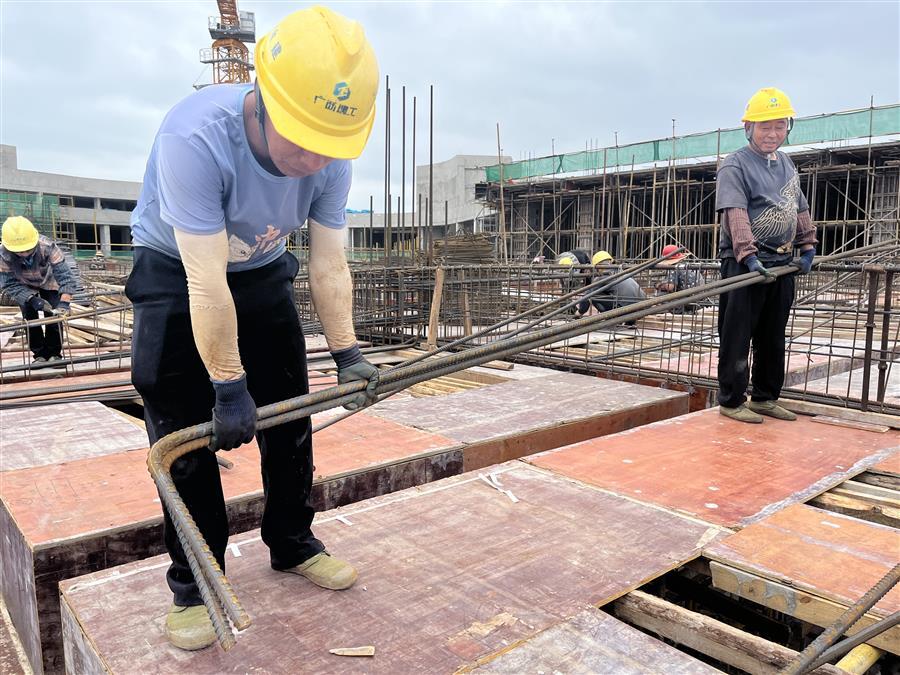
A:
242,251
779,221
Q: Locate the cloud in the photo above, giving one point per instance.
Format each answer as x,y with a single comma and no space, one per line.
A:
85,85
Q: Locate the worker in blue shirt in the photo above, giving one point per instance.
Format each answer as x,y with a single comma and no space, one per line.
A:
234,169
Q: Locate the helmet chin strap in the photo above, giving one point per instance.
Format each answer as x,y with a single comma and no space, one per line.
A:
261,116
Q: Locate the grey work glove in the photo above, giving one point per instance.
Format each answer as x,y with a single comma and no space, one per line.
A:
353,367
234,417
753,264
38,304
805,261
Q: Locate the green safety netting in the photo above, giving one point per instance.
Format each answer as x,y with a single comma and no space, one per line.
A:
40,209
876,121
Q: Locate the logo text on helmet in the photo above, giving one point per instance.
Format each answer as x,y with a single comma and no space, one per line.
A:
276,50
341,91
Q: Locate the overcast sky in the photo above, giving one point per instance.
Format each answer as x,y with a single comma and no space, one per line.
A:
86,84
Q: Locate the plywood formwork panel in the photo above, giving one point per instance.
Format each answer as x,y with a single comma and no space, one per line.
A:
829,558
547,412
723,471
595,643
449,573
52,434
79,516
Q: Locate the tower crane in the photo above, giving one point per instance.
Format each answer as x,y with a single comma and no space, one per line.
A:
229,56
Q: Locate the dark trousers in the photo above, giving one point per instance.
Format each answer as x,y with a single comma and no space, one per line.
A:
756,314
167,372
45,341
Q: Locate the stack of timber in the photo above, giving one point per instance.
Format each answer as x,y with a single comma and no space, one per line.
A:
464,249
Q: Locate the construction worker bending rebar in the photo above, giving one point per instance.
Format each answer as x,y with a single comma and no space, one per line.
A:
35,275
765,217
622,293
234,169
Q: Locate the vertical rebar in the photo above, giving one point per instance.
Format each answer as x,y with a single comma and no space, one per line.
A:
873,274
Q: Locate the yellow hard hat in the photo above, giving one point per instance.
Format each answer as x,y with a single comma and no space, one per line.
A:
768,104
601,256
319,77
19,234
567,259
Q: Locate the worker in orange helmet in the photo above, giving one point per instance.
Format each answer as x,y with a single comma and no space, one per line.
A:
765,219
678,277
234,169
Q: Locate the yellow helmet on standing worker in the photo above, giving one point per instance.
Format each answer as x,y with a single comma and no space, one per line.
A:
19,234
601,257
768,104
319,78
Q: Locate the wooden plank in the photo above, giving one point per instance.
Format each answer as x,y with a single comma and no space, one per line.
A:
852,424
859,508
449,574
871,477
798,603
720,470
807,408
714,638
435,313
594,642
830,555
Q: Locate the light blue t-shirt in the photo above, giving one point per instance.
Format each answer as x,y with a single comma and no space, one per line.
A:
202,178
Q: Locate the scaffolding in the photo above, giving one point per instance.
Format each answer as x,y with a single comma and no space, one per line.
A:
853,194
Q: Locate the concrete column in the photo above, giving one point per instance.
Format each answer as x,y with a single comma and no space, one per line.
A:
105,246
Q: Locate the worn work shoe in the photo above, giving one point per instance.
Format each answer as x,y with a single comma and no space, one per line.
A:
326,571
742,414
39,359
189,628
771,409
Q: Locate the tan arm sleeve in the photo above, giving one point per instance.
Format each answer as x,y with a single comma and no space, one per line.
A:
213,317
331,285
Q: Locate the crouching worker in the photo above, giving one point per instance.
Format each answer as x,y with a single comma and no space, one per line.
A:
765,217
233,170
678,277
620,294
34,273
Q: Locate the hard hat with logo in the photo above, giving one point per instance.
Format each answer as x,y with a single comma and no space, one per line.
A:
319,77
19,234
568,258
768,104
601,257
668,250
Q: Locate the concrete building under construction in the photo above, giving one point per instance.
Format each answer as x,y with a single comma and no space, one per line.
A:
628,202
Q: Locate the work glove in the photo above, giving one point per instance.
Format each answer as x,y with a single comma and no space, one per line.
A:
753,264
63,308
805,261
38,304
234,417
353,367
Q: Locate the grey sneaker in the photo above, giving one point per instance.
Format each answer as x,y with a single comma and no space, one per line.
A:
772,409
39,359
742,414
55,358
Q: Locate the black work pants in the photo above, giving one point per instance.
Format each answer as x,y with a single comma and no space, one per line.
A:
45,341
167,372
757,314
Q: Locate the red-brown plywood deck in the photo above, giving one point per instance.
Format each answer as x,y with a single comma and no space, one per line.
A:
449,573
78,497
723,471
827,554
